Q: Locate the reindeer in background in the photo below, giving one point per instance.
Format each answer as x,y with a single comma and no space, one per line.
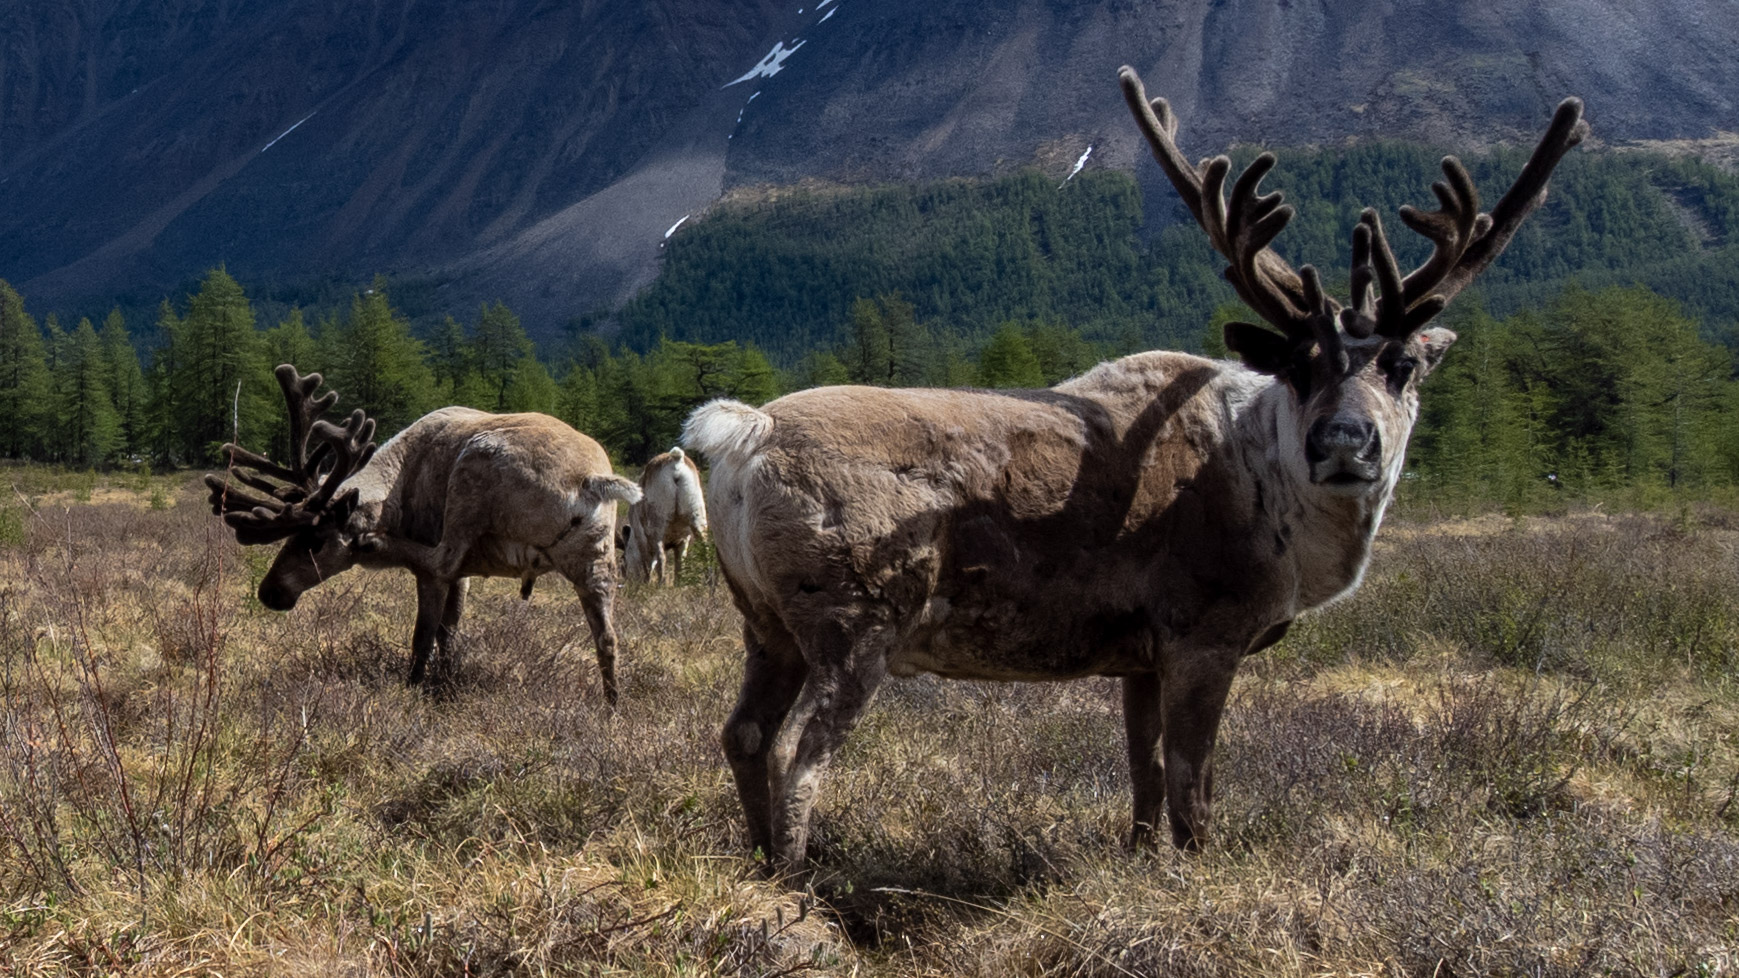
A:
670,514
1156,519
459,493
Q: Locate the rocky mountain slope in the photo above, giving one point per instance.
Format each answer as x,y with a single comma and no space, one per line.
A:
540,151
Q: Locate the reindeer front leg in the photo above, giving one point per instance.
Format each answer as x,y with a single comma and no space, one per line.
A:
1141,724
1192,696
432,596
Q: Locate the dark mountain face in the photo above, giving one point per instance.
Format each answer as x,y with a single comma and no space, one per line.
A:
539,152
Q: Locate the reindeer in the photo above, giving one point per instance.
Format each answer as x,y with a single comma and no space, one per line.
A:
671,512
458,494
1155,519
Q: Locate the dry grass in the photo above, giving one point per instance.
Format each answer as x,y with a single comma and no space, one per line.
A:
1514,752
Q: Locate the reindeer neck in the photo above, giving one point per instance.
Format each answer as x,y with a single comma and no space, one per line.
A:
376,486
1328,537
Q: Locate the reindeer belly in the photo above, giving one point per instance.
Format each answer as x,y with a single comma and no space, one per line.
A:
506,558
988,632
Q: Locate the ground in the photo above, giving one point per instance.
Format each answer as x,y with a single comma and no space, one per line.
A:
1515,751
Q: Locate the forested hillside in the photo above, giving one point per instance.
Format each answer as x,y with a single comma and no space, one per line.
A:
1595,360
968,255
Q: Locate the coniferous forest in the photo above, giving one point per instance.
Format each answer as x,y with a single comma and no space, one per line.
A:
1596,358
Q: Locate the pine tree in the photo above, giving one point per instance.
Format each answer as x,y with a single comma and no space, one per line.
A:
577,403
290,342
449,357
530,388
819,369
24,380
888,347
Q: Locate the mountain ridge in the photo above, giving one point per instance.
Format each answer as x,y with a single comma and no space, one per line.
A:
538,152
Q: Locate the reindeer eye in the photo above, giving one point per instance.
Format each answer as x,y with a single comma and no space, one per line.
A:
1401,370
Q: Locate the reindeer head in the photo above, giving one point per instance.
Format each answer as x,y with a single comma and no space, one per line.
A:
1354,370
300,503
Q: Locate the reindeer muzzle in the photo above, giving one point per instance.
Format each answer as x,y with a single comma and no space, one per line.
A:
1344,451
277,597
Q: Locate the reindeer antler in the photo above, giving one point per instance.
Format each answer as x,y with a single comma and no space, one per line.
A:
1464,240
267,501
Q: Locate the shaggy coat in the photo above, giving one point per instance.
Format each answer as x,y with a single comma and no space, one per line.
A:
670,514
462,493
1156,519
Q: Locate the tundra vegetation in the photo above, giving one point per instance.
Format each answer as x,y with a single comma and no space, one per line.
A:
1512,752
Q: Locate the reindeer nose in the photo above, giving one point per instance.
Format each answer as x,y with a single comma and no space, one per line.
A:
1341,435
277,597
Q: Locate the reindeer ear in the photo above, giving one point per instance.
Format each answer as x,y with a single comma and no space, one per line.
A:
1261,349
338,511
1434,342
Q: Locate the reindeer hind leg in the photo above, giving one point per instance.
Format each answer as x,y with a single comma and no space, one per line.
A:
847,663
773,674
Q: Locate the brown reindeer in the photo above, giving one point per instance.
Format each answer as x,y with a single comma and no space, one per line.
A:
458,494
670,514
1156,519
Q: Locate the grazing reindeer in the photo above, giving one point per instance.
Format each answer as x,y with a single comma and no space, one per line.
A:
671,512
460,493
1156,519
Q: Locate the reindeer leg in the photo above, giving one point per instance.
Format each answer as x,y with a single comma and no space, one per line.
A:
1141,725
846,666
432,594
597,599
676,554
450,615
773,674
1190,705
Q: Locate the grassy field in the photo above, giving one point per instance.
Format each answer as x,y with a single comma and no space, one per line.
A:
1515,751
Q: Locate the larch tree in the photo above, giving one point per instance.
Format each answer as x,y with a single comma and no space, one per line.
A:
24,379
126,380
88,425
375,363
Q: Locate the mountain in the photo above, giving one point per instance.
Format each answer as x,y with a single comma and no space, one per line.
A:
541,151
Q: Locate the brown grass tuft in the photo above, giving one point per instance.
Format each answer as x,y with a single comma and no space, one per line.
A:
1513,752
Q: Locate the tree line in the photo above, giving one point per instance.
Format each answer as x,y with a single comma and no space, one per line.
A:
1599,391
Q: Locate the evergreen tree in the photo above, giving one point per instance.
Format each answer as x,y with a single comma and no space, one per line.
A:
531,388
126,381
889,347
89,427
577,402
498,346
222,386
24,380
1007,360
164,384
291,342
1062,352
376,364
449,360
819,369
